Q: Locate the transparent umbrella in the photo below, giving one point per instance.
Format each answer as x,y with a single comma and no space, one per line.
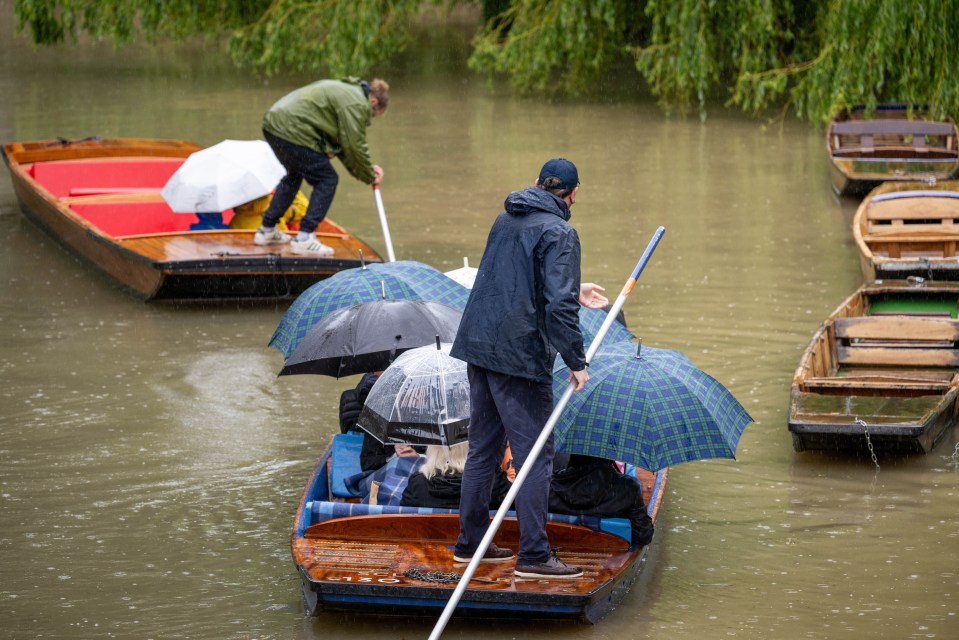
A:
422,398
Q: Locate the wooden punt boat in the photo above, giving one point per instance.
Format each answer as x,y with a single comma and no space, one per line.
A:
101,199
385,560
886,364
889,147
908,229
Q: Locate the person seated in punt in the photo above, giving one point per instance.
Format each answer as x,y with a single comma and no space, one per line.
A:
439,480
386,485
249,215
374,454
584,485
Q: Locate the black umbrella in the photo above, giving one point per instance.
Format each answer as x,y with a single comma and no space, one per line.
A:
369,336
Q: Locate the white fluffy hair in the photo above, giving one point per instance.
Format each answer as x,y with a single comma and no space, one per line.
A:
440,459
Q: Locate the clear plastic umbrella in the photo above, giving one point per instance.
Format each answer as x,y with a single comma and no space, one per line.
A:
225,175
422,398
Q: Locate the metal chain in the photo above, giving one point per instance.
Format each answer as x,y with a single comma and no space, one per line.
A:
433,576
865,432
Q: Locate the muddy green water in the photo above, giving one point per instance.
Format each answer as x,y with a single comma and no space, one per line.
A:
151,461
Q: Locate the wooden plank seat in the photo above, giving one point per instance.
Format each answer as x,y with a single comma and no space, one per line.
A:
323,510
899,340
880,386
60,176
897,137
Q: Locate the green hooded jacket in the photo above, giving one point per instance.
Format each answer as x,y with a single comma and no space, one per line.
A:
328,116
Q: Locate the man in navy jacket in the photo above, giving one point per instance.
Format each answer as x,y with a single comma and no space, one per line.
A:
523,309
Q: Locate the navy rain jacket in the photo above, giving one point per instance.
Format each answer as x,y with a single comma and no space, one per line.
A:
524,306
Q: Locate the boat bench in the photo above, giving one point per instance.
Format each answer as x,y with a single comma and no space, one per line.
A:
345,462
109,175
899,221
322,510
860,136
126,218
897,340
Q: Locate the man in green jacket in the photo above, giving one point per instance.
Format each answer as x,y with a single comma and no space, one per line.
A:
306,129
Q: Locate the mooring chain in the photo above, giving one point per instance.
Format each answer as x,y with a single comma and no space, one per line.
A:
433,576
865,432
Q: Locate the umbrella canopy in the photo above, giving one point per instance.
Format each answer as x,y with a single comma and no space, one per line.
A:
401,280
422,398
655,410
369,336
465,275
590,320
225,175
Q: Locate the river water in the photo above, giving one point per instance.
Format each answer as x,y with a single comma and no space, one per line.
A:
151,461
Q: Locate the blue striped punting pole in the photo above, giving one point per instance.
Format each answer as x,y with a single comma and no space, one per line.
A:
541,440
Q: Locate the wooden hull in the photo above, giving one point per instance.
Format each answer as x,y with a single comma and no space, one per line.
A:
361,563
211,264
890,147
907,230
885,363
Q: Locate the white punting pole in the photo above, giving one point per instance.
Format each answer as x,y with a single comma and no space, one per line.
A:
541,441
386,228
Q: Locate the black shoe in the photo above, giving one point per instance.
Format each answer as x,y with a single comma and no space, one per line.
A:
552,569
493,554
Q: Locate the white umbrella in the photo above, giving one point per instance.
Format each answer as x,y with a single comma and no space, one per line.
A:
465,275
225,175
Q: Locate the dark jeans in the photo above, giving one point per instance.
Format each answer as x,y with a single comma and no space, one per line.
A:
506,407
301,162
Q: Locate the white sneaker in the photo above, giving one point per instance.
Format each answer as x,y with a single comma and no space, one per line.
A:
276,236
311,246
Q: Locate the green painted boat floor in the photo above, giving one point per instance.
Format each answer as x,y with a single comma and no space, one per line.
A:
914,305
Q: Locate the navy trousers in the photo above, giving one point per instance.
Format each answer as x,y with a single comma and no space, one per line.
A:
515,409
301,162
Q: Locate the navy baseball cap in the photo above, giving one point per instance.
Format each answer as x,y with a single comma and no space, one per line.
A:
563,169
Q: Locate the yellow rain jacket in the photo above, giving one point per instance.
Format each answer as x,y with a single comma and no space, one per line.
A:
250,215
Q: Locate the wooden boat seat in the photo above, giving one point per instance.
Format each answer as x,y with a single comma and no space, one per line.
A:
322,510
865,384
60,176
899,340
888,137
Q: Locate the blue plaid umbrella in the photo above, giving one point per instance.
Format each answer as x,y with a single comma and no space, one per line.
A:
654,411
590,320
402,280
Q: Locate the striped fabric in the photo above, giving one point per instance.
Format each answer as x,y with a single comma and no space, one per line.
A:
655,411
402,280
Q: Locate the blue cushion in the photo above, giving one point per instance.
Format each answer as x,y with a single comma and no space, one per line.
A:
345,462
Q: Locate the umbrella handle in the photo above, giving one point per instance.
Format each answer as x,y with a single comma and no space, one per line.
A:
541,442
386,228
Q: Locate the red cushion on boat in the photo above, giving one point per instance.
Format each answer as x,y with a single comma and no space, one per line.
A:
104,174
133,218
